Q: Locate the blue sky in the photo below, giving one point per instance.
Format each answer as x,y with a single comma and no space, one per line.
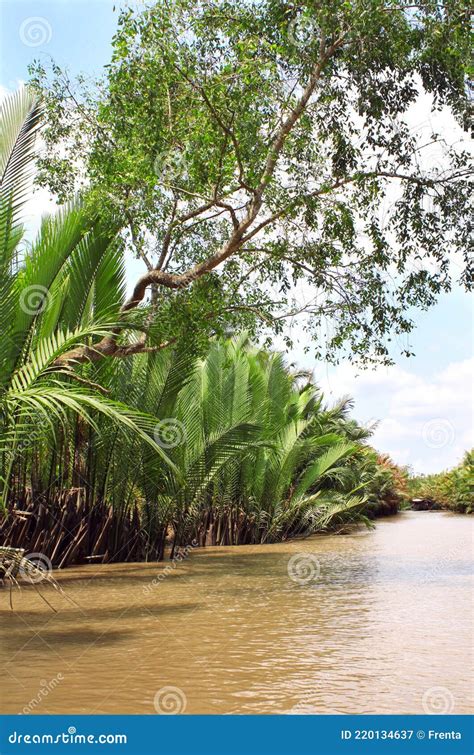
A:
424,404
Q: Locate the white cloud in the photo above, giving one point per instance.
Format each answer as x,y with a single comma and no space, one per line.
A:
426,422
13,86
38,205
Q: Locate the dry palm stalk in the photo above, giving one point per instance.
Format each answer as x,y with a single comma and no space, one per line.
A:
14,565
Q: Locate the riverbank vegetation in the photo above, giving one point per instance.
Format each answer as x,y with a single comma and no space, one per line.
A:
127,422
453,489
249,451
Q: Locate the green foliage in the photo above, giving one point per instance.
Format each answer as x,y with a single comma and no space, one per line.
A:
253,456
223,446
246,148
186,163
386,484
454,489
47,309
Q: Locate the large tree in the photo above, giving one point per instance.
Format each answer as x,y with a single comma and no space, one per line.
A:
246,147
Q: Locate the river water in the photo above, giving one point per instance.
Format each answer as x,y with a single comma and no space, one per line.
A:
376,621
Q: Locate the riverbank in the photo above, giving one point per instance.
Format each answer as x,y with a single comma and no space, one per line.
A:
70,530
324,625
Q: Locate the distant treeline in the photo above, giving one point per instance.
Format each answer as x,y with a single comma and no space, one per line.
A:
452,490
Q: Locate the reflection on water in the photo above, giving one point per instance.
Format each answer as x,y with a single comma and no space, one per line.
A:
387,621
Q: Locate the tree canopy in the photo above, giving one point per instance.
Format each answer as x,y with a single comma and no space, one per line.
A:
245,148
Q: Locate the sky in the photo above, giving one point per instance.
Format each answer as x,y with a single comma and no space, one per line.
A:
424,404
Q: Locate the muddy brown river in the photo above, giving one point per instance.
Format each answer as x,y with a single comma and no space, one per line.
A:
377,621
